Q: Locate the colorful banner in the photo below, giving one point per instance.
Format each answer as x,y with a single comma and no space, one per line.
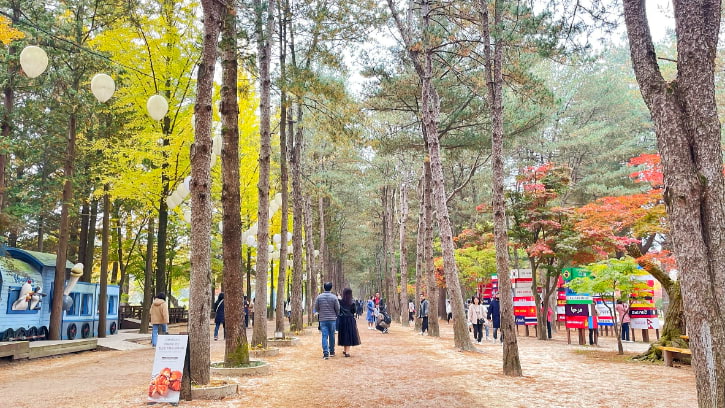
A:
168,368
577,304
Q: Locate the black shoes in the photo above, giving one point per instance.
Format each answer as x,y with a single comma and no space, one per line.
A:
345,354
325,356
332,354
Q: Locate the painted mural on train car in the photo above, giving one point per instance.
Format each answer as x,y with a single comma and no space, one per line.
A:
26,293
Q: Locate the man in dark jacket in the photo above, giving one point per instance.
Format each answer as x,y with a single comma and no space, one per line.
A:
423,313
328,308
494,313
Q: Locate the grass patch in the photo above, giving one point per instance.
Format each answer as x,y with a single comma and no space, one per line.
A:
250,365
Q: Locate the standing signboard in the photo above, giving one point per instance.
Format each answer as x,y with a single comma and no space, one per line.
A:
524,302
577,304
642,311
168,368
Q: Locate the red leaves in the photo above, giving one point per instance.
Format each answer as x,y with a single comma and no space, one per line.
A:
652,171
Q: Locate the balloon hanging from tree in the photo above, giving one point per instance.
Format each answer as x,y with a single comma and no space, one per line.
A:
33,60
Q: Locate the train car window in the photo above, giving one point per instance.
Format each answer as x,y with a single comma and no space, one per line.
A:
76,299
112,304
13,295
86,305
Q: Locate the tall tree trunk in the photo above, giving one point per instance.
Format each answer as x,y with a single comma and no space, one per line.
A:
688,132
403,255
236,350
83,237
103,295
264,29
162,234
296,322
283,172
200,297
90,248
311,269
494,80
431,283
324,275
148,293
41,233
420,250
8,104
56,314
390,254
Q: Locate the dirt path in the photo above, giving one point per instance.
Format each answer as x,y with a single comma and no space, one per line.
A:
400,369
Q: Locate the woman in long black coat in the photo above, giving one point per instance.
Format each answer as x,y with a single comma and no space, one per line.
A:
347,335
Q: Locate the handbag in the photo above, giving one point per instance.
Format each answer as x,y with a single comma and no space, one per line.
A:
479,321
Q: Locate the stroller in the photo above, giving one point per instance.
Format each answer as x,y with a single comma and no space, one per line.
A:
382,321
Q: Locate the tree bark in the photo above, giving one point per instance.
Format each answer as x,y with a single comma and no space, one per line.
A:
83,236
236,347
403,255
148,293
56,314
420,250
103,295
283,179
200,296
688,133
432,284
296,322
264,29
324,274
494,80
390,254
311,260
90,248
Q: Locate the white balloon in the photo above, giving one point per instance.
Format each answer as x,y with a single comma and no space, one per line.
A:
102,87
276,238
216,146
183,190
251,241
270,248
33,60
171,203
157,107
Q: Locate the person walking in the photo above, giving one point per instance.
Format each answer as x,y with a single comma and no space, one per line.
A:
476,315
494,313
219,315
423,314
328,308
347,335
370,317
246,312
623,311
411,311
449,312
159,317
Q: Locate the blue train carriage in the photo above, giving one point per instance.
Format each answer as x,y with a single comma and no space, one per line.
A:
24,311
26,315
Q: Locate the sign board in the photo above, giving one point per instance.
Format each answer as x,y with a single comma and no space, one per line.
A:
168,368
521,274
523,292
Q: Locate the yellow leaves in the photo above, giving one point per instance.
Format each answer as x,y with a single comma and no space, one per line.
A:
9,34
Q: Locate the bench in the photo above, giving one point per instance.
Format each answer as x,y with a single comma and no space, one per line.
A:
669,353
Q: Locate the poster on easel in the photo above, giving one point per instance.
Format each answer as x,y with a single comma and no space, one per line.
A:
168,368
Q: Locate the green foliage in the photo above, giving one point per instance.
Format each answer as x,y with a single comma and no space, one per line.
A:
613,278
